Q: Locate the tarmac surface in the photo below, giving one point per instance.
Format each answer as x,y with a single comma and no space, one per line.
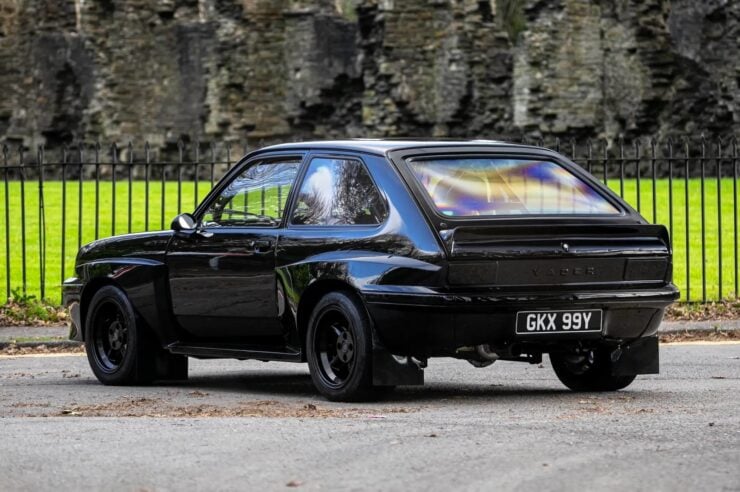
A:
255,426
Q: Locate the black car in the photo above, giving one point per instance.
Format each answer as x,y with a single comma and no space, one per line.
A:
365,258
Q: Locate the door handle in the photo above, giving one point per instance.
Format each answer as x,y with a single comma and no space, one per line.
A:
260,245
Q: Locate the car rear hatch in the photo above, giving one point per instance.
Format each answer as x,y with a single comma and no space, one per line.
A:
545,256
521,219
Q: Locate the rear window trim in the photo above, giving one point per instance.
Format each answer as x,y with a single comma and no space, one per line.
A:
402,159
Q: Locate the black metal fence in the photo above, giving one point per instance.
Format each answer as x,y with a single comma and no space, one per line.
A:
54,201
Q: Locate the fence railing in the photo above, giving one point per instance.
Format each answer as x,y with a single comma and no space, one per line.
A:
54,201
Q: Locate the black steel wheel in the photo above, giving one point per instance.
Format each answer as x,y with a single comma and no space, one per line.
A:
110,333
335,346
117,351
339,348
588,370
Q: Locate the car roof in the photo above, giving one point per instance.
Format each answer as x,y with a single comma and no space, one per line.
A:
382,146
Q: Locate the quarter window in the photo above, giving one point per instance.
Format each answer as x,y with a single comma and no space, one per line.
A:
338,192
256,197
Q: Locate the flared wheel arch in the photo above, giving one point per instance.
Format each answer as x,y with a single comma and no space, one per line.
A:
311,296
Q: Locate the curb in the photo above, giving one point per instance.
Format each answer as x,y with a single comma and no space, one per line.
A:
699,326
52,344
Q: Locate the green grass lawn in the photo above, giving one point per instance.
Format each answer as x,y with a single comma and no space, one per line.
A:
101,221
717,273
710,273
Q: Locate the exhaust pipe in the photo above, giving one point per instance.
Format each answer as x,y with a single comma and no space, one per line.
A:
484,351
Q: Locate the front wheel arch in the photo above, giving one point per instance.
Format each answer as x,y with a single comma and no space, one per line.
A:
88,292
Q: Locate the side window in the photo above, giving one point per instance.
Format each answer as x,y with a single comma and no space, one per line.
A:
338,192
256,197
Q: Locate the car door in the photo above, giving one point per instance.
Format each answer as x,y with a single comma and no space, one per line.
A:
222,277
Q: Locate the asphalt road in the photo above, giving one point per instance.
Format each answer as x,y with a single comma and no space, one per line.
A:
257,426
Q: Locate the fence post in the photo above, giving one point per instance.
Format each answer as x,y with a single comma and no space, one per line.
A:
197,166
605,153
670,188
621,166
97,190
6,151
734,209
80,178
180,149
228,156
686,220
64,214
130,182
653,162
146,185
636,145
162,201
42,226
23,215
703,149
114,161
213,162
719,213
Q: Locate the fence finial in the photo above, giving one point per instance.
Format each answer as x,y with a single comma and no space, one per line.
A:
114,152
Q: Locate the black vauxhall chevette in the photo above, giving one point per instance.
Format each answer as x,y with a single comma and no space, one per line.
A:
365,258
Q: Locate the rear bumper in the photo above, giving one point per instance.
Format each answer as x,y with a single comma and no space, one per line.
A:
71,293
408,322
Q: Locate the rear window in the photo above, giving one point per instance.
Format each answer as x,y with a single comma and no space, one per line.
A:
468,187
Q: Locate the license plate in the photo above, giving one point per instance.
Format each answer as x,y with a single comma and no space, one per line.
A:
533,322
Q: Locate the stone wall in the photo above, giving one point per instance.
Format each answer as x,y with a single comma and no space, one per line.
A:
276,70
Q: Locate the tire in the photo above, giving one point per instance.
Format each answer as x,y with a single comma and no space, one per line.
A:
339,349
118,349
588,372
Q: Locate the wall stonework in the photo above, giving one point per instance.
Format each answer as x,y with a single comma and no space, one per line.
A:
275,70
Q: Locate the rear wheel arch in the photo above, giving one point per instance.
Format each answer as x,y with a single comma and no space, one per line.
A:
311,296
339,348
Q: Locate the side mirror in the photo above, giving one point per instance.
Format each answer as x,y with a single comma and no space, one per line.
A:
183,222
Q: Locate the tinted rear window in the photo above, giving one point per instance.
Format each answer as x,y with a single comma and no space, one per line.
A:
468,187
